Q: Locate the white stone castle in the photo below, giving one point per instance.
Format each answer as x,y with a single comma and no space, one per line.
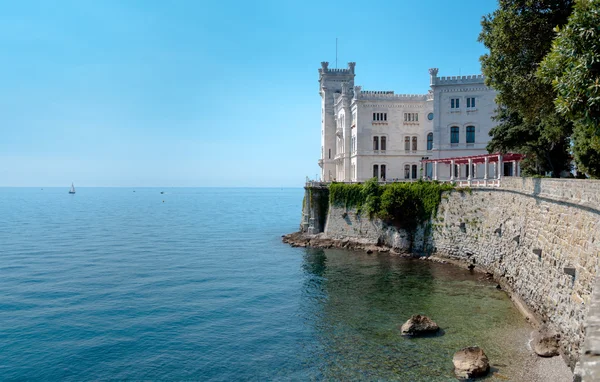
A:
366,134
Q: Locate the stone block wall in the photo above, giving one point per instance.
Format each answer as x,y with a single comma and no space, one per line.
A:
540,236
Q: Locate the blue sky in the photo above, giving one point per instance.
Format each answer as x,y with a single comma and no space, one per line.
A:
202,93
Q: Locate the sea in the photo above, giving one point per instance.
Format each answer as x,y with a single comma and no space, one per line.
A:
195,284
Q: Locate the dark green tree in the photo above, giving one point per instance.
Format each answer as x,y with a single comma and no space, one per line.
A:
573,69
518,35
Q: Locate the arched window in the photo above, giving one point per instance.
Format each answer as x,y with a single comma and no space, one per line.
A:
414,143
454,134
407,171
382,172
376,171
429,141
414,171
375,143
470,134
383,143
407,144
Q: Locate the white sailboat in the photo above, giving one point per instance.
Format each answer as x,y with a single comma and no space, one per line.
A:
72,190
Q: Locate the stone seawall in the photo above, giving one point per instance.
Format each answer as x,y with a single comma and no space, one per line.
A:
343,224
540,237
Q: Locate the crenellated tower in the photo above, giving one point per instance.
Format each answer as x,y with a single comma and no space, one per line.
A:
332,82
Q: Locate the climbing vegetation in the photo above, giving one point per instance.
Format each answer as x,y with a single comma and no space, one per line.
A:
402,204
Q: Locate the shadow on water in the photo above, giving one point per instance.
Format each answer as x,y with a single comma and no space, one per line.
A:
315,261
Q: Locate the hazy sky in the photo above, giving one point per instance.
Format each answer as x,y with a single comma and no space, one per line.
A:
202,93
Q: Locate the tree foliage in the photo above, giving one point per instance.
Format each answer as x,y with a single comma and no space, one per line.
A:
518,35
572,68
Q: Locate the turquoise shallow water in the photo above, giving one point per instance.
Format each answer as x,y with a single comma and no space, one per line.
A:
195,284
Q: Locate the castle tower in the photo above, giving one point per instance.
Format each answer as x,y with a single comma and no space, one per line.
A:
330,87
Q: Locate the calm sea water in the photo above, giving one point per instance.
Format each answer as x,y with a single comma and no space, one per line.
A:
195,284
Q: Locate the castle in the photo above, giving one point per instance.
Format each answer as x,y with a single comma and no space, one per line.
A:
366,134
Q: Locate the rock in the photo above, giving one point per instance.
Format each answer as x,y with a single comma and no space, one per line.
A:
545,342
471,362
369,251
419,324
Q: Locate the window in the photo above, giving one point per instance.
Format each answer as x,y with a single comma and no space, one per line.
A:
411,117
353,144
383,143
376,171
414,143
454,135
471,103
407,171
379,116
471,134
429,170
414,171
375,143
429,141
455,103
407,144
329,153
382,172
430,116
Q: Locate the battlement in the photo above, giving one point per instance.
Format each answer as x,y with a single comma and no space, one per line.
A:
381,92
386,95
451,80
324,69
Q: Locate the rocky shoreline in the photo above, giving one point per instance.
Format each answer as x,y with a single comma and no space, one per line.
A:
539,368
300,239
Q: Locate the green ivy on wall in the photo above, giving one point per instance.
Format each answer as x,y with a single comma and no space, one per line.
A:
404,205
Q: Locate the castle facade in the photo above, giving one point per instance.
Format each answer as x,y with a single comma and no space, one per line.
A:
366,134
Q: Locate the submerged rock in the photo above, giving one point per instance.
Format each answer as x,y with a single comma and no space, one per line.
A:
545,342
419,324
471,362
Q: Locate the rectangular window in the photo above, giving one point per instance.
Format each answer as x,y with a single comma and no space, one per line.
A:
383,143
429,141
376,171
414,171
454,134
379,116
470,134
414,143
407,171
329,153
455,103
411,117
407,144
375,143
383,172
470,102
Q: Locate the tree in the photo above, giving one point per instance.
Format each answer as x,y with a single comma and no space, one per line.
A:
573,69
518,35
